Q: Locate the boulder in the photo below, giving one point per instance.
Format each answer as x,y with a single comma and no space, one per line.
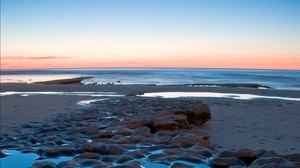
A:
43,164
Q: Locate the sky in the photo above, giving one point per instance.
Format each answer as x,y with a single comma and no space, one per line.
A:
255,34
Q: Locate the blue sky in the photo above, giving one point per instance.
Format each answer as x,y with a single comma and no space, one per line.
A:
139,29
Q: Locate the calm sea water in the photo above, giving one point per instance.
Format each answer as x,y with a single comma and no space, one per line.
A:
279,79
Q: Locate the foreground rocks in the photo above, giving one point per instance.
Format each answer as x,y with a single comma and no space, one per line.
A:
134,132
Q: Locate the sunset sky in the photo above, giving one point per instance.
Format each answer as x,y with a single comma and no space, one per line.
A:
263,34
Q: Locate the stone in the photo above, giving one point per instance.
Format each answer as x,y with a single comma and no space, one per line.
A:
293,157
68,164
57,151
105,134
89,155
115,150
271,162
43,164
91,129
180,165
99,148
198,115
246,155
224,162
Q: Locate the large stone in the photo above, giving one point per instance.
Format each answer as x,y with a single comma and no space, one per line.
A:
57,151
247,156
198,114
224,162
94,148
180,165
271,162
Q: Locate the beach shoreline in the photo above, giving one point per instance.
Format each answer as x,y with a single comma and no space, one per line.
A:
270,125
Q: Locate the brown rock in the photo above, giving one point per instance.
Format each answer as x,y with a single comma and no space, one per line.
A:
246,155
180,165
271,162
293,157
115,150
165,125
224,162
88,155
104,134
94,148
57,151
199,114
91,129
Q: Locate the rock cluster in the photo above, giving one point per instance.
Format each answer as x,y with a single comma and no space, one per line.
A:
131,132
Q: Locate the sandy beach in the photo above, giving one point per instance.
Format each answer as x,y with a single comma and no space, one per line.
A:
262,124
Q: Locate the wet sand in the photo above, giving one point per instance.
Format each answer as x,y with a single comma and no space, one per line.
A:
270,125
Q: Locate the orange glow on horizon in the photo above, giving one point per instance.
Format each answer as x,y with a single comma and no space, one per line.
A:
267,62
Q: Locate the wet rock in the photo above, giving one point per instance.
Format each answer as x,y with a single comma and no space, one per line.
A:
170,122
271,162
105,134
198,114
109,159
68,164
49,129
43,164
143,131
133,164
124,132
180,165
132,139
57,151
293,157
88,162
94,148
88,155
91,129
115,150
224,162
247,156
133,123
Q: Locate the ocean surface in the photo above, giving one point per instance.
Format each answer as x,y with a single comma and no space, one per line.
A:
278,79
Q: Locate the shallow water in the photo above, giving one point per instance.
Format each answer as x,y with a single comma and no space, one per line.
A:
216,95
93,94
17,159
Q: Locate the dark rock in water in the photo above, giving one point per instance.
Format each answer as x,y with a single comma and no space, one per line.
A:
180,165
89,155
68,164
115,150
88,162
91,129
104,134
95,148
57,151
224,162
43,164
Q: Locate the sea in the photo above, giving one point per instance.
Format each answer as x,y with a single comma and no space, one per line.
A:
277,79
